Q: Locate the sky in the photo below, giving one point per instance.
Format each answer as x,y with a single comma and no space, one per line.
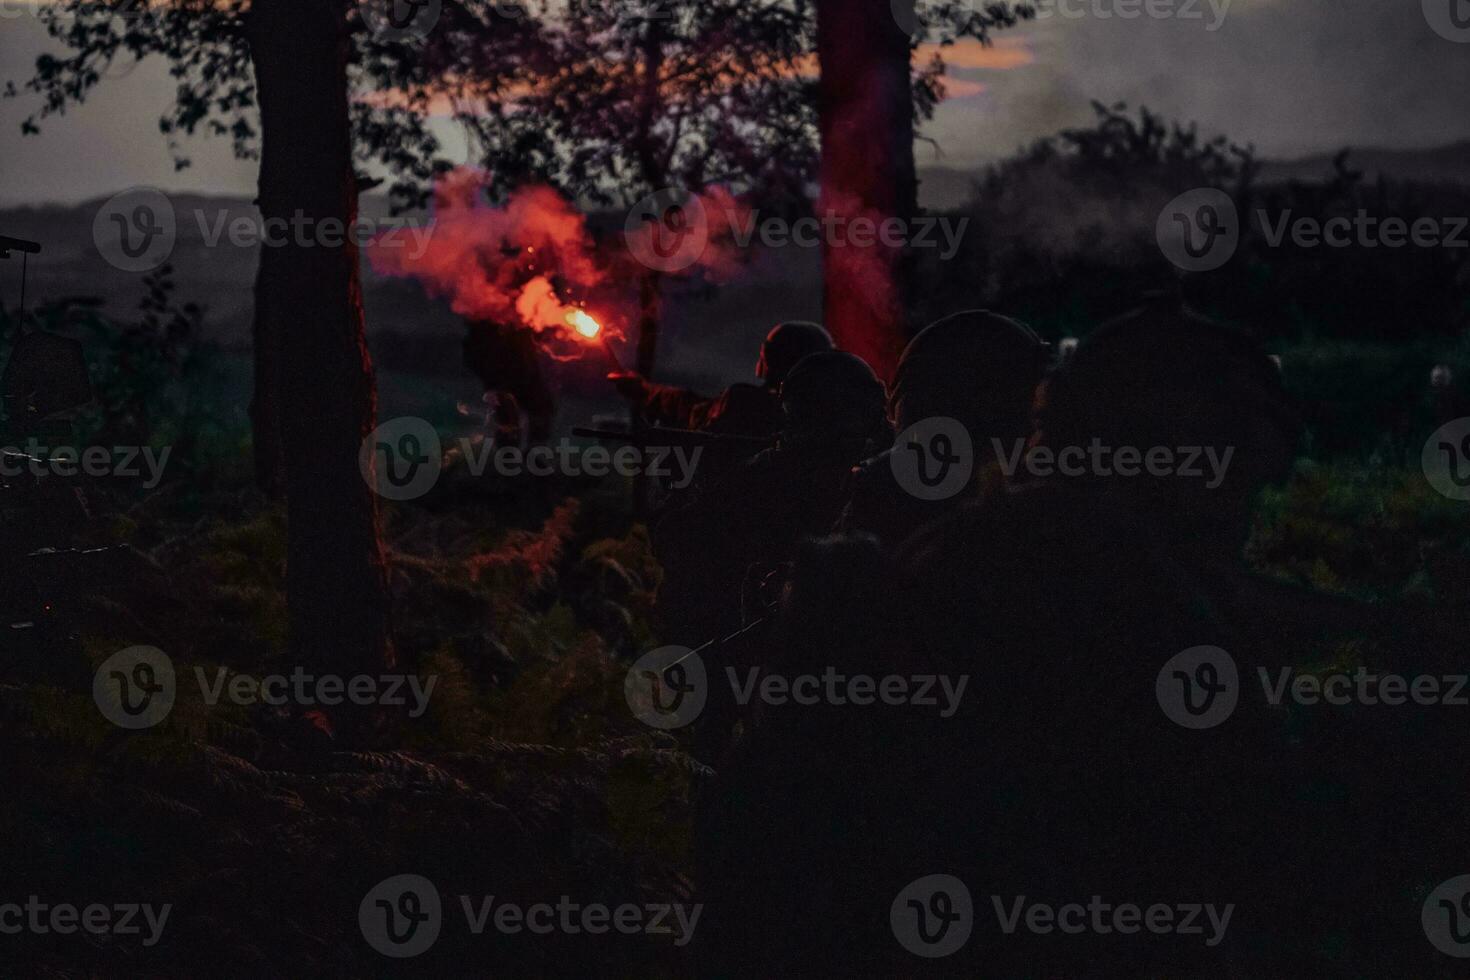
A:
1294,77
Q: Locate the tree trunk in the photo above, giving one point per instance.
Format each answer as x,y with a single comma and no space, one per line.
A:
866,118
265,401
310,295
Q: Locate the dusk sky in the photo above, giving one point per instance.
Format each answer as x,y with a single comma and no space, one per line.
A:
1293,77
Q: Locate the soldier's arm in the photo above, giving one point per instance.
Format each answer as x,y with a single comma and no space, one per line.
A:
677,407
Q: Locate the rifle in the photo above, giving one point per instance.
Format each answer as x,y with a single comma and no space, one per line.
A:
676,438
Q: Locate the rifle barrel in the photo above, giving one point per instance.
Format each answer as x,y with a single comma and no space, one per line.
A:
658,436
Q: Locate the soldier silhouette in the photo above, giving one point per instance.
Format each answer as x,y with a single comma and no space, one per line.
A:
741,409
978,368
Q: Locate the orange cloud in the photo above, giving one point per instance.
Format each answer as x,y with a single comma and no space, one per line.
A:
959,88
1002,55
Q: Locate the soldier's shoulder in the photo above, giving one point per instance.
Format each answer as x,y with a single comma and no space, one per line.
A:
745,409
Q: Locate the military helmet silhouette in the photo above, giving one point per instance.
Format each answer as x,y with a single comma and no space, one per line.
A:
787,344
832,394
975,366
1164,376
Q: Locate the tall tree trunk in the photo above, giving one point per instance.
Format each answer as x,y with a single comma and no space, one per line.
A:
866,117
265,401
336,578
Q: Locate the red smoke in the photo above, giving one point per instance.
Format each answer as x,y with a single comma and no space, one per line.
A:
527,263
531,262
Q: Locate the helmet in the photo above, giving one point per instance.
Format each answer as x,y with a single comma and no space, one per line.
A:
786,344
975,366
1164,376
832,395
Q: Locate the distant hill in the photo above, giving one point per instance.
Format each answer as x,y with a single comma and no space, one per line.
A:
942,188
408,330
1444,164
